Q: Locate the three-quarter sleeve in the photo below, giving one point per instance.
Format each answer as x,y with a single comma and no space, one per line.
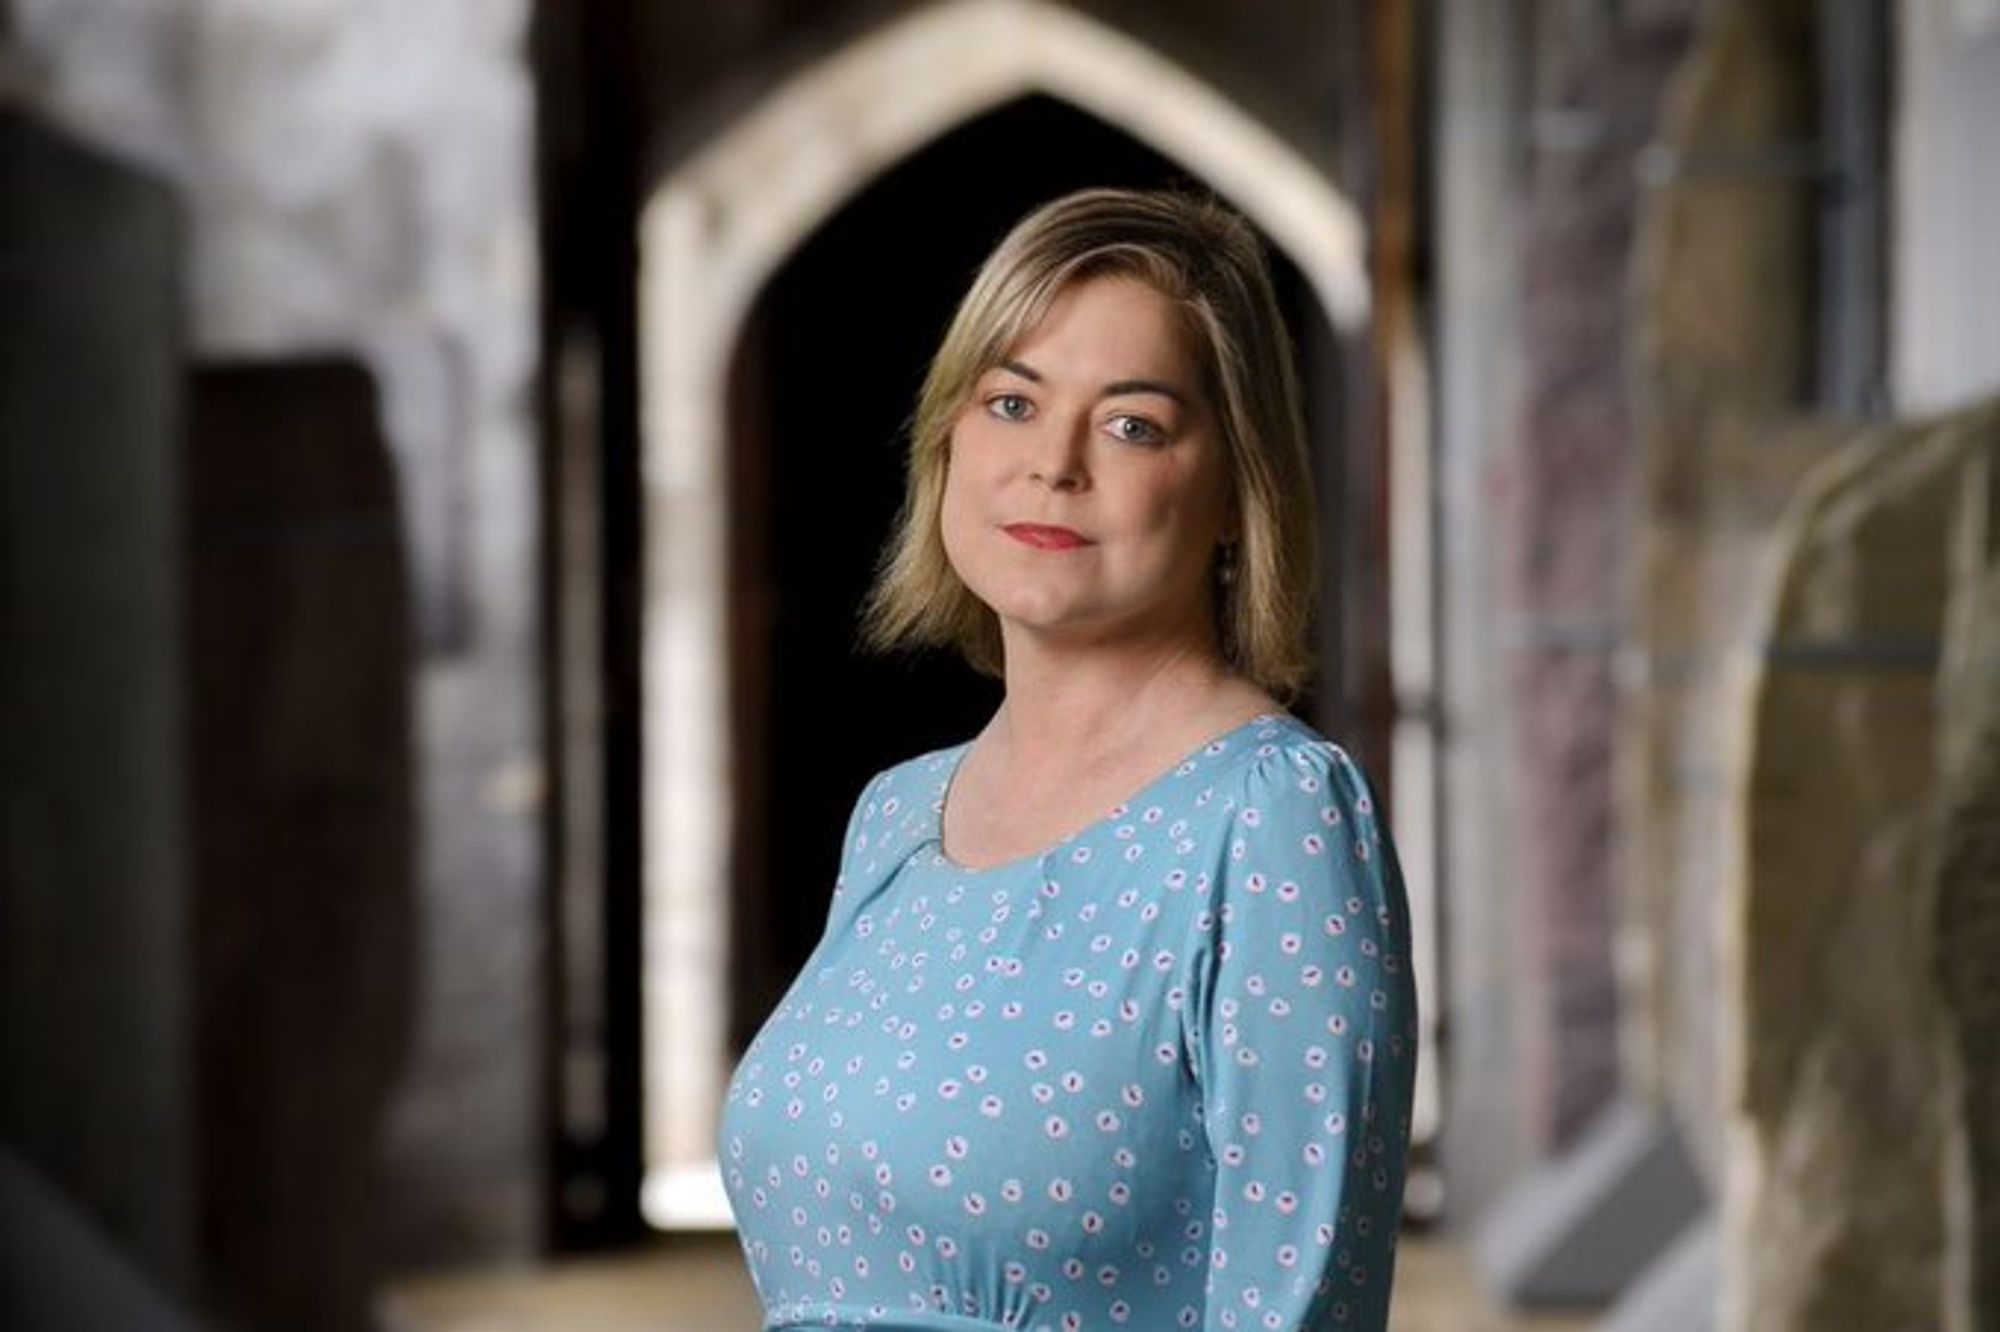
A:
1301,1030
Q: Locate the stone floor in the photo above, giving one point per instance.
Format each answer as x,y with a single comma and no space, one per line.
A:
698,1284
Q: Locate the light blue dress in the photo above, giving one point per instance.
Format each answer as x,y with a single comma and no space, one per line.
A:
1157,1076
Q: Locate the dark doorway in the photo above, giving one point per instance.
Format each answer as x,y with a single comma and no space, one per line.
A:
822,384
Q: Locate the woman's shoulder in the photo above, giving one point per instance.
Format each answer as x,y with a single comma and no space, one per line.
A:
1278,745
920,776
1293,774
1301,815
1289,742
894,815
903,797
1272,769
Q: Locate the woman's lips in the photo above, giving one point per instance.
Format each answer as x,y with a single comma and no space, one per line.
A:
1044,537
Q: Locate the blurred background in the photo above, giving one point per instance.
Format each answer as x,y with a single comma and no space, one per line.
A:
446,442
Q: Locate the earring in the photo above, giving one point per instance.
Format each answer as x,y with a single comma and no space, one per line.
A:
1225,564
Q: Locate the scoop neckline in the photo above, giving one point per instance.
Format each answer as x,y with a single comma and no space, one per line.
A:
1145,788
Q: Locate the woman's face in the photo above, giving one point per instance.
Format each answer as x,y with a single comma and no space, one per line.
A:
1087,486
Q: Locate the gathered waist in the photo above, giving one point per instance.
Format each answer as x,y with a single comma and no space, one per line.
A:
837,1319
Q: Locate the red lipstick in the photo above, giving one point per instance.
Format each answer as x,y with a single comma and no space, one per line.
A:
1044,537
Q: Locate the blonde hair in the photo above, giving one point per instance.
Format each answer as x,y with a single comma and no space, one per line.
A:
1205,258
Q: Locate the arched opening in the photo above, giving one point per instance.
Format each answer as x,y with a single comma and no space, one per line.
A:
748,582
822,381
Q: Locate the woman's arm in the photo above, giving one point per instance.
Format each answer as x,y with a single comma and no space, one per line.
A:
1303,1034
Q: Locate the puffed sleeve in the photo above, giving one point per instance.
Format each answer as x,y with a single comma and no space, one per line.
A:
889,822
1302,1033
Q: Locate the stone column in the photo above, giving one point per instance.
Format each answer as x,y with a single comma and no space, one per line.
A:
1723,280
1573,482
94,983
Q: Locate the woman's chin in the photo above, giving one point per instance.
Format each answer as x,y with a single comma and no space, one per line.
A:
1041,618
1040,612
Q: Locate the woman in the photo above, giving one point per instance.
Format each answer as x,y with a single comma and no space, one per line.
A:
1112,1023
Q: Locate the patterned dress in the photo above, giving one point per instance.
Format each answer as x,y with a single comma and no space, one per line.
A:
1156,1076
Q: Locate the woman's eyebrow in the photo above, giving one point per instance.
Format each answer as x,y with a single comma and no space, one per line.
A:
1122,387
1117,388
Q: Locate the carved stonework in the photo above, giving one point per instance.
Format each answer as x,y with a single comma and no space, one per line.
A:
1813,902
1965,927
1843,911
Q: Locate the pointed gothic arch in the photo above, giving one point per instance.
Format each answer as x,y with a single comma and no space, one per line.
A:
711,235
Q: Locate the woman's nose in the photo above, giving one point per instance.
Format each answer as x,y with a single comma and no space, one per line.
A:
1059,458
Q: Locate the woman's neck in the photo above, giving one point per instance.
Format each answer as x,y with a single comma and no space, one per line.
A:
1082,706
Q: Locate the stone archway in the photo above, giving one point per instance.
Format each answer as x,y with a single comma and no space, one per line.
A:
711,235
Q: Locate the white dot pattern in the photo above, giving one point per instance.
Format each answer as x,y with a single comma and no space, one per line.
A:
1157,1076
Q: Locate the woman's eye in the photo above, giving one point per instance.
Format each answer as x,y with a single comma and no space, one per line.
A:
1008,406
1136,430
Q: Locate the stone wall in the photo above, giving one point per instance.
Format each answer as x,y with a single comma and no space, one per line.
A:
358,177
1282,60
